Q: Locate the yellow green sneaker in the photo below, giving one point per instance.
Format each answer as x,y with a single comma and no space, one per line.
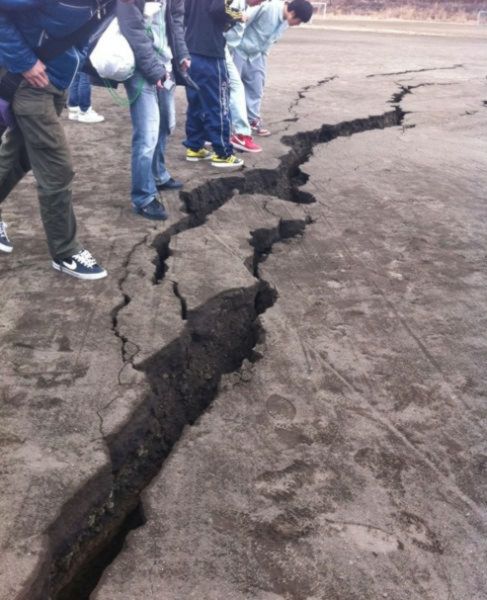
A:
197,155
226,162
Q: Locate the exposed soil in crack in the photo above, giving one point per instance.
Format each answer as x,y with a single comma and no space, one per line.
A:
262,240
184,379
183,376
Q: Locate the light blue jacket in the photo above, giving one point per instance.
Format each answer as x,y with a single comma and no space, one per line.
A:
265,25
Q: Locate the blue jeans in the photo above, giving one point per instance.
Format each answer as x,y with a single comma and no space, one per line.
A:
80,92
153,120
253,74
208,116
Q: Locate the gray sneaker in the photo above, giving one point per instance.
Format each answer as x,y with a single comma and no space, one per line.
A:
5,243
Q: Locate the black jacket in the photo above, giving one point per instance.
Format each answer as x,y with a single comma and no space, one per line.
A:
205,21
130,15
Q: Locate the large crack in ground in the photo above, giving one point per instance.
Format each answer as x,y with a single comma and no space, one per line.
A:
284,182
184,375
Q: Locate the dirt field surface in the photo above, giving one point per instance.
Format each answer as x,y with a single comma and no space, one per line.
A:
399,27
281,393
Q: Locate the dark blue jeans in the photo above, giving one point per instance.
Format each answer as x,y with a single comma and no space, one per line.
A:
208,116
80,92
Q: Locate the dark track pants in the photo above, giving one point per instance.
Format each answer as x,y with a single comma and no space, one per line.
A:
208,115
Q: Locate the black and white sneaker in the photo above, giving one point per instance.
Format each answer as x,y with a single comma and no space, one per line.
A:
5,243
81,265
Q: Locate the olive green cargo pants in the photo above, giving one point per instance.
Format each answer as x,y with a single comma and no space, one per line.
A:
39,143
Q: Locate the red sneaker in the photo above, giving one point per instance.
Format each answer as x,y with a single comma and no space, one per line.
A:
245,143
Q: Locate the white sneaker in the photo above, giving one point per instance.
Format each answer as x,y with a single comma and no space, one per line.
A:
5,243
90,116
73,113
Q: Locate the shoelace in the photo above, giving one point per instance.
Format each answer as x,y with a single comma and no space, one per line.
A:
3,229
85,258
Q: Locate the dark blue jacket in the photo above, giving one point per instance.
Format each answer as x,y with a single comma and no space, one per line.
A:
26,24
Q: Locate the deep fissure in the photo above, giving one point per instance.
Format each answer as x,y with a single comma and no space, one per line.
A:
183,376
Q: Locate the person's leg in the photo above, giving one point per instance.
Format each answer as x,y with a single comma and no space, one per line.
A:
241,138
74,99
84,91
37,112
195,119
215,99
238,61
238,107
167,114
86,114
254,74
14,162
144,111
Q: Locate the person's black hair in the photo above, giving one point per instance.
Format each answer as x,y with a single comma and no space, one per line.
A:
302,9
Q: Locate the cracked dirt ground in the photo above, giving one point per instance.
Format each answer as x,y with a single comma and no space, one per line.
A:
318,319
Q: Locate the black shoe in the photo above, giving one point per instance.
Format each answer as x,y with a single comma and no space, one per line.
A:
154,210
81,265
171,184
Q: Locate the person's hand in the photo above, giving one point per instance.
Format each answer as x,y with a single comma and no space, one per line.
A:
185,64
160,84
244,17
37,76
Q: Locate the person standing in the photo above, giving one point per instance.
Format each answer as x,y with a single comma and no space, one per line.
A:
150,93
79,101
264,26
241,138
37,141
208,115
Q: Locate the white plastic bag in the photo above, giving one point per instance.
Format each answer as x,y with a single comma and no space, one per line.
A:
112,56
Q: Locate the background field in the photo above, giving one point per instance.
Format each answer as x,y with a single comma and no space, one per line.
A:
454,10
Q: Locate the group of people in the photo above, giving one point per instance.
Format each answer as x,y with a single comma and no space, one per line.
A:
217,48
